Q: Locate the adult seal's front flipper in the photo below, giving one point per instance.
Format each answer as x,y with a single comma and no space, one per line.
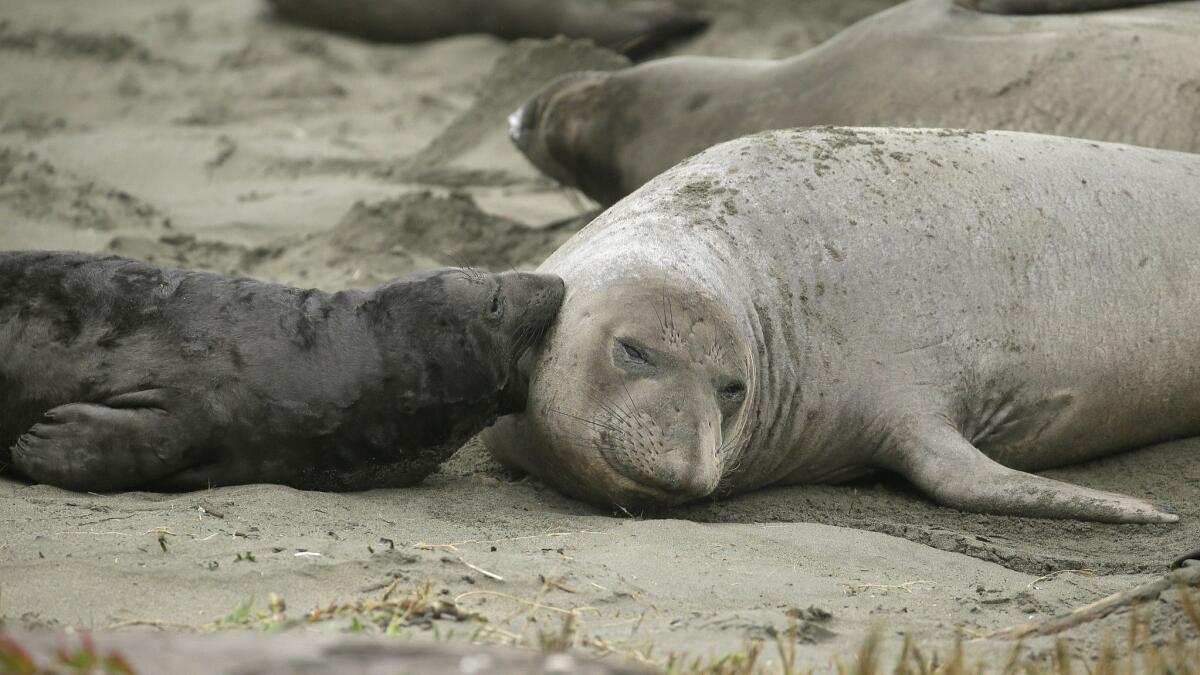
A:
124,442
937,459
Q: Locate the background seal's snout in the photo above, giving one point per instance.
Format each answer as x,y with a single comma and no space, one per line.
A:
521,121
526,121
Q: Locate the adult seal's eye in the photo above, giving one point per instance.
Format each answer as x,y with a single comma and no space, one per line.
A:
734,393
633,353
496,305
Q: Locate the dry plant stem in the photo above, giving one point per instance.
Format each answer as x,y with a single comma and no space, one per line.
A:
151,623
1150,590
1059,573
906,587
531,603
490,575
453,546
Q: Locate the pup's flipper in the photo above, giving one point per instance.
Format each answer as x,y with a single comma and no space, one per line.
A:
120,444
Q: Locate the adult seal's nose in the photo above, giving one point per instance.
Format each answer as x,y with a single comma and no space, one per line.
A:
684,478
690,469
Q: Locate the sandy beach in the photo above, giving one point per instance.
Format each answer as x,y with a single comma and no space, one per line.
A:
210,136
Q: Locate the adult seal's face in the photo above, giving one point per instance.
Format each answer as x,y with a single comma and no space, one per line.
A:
640,397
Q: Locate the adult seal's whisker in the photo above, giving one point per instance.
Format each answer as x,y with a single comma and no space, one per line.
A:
609,405
589,422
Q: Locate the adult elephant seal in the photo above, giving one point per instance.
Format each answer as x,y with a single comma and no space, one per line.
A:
116,374
1127,76
632,26
803,306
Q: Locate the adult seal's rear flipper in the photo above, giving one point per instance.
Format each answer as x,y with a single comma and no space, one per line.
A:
634,29
1050,6
937,459
122,443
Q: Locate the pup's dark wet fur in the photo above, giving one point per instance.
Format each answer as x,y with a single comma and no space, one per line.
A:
116,374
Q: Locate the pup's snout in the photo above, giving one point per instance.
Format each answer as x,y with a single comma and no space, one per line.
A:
538,294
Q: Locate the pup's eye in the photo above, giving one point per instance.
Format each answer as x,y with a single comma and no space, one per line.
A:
495,308
634,353
733,392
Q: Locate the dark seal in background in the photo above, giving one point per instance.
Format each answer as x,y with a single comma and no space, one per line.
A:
630,27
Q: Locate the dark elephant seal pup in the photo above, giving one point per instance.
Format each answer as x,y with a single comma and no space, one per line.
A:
1126,76
629,26
803,306
116,374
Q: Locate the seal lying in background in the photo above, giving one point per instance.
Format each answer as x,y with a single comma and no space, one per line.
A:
116,374
804,306
1191,559
1050,6
1127,76
632,27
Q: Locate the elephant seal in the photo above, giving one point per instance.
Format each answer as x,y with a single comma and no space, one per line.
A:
1191,559
116,374
1125,76
631,27
803,306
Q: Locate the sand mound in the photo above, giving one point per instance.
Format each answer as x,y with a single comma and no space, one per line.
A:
517,75
61,43
187,252
374,242
377,241
448,228
33,189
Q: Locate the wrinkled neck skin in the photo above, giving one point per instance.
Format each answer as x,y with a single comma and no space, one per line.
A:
704,271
